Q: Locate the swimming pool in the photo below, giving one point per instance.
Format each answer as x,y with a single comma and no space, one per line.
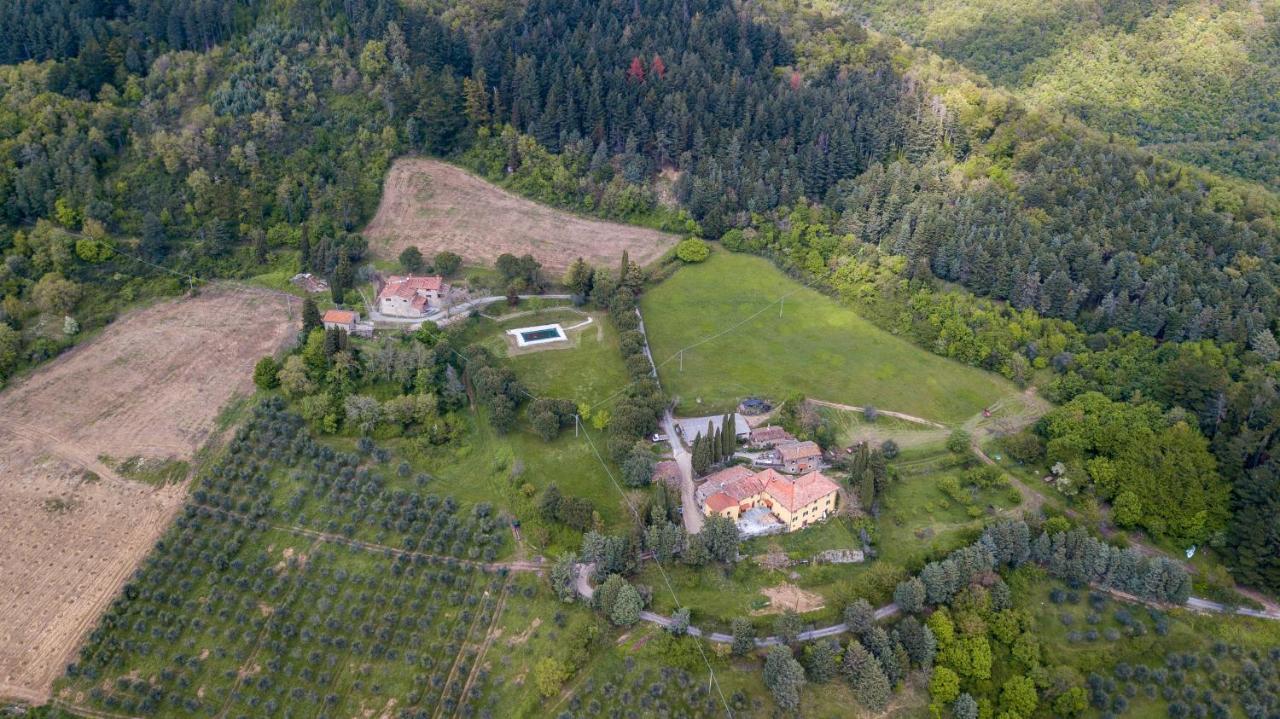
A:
526,336
533,335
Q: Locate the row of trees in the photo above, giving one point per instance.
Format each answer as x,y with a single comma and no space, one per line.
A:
716,446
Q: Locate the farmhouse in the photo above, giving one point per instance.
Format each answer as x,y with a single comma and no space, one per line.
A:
795,502
765,437
340,320
799,457
347,321
411,296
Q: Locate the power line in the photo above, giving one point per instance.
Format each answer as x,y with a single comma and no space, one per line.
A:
665,579
636,516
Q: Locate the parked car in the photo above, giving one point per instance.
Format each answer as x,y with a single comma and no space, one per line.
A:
658,437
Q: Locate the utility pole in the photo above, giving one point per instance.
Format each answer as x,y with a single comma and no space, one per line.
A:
575,425
681,360
781,303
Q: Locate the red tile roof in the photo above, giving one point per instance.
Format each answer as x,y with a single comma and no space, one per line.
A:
408,287
720,501
799,450
342,317
793,493
772,433
729,479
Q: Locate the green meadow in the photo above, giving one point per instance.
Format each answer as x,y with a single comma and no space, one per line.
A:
814,346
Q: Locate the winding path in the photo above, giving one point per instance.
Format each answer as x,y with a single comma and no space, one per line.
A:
582,573
448,315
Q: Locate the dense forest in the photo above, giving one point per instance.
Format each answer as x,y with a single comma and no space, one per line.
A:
142,144
1198,79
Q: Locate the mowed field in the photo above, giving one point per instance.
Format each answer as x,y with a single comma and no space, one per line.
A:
150,386
817,347
435,206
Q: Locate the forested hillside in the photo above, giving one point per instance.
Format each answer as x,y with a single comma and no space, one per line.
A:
258,136
1199,79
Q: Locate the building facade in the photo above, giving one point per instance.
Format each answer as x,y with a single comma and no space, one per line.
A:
800,457
340,320
796,502
411,296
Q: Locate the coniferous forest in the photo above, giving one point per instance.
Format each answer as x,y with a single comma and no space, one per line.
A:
147,141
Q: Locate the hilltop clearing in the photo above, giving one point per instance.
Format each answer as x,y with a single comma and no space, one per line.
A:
435,206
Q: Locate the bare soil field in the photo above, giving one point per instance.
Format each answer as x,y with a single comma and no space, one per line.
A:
150,386
436,206
789,597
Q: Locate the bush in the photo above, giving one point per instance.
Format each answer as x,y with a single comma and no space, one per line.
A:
958,442
889,449
693,250
548,675
411,259
266,374
446,263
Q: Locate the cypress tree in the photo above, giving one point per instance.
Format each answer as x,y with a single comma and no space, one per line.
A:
304,247
716,443
701,462
729,439
867,491
310,317
341,281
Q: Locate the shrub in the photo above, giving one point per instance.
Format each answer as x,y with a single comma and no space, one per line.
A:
411,259
693,250
958,442
266,373
446,263
784,676
548,675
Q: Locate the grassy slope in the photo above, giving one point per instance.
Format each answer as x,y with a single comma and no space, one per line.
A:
493,468
817,347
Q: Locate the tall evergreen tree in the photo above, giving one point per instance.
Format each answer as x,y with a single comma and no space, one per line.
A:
310,317
304,250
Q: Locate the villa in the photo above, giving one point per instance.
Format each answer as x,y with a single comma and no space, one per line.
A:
788,503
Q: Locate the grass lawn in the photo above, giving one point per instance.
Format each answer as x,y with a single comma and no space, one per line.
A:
586,369
853,427
817,347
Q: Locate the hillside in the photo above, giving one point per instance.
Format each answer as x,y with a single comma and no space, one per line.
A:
1196,79
436,206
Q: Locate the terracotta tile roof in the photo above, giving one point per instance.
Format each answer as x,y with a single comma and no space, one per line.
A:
408,287
720,501
794,493
772,433
727,480
800,491
799,450
342,317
